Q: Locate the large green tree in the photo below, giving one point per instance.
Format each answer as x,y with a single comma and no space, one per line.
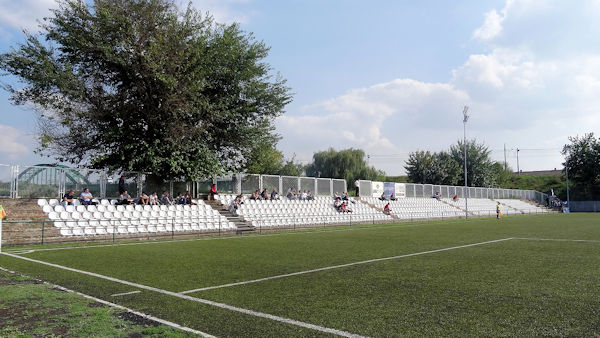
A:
447,168
143,85
582,159
348,164
266,159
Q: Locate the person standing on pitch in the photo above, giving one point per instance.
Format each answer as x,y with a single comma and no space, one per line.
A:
498,213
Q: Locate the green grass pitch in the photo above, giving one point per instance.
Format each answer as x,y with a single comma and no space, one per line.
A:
542,278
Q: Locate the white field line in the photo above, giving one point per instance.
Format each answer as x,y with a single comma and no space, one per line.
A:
557,239
342,266
125,293
298,232
156,319
199,300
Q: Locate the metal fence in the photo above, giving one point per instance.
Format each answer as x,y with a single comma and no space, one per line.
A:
584,206
252,182
54,181
428,190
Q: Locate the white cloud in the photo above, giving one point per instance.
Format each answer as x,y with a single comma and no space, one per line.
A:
23,14
373,118
225,11
537,85
491,27
11,145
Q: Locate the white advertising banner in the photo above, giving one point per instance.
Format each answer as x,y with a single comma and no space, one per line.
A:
377,188
400,189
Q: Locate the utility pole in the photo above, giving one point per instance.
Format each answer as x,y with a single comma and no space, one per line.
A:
466,190
518,169
505,156
567,176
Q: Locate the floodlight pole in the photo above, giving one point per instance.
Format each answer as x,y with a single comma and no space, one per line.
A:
567,177
466,191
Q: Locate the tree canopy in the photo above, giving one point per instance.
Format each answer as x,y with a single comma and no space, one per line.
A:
144,86
447,168
266,159
348,164
582,158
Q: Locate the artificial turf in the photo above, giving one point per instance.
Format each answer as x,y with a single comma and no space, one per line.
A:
515,287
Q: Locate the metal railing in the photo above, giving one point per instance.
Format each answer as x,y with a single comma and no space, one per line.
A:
17,181
427,190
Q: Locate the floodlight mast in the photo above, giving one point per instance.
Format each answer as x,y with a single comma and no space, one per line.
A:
466,190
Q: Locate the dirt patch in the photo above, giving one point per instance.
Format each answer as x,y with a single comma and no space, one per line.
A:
132,317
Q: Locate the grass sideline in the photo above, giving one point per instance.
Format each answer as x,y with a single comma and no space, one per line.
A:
29,307
516,287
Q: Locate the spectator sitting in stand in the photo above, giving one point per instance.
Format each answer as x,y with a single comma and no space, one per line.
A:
153,198
264,194
292,194
309,196
178,199
383,197
165,199
393,196
86,197
345,196
455,198
124,199
143,199
212,192
386,209
274,195
187,198
255,196
437,195
337,203
233,206
304,195
68,198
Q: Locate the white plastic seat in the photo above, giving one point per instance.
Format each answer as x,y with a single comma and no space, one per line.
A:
42,202
80,208
47,209
59,225
77,231
53,202
66,232
65,215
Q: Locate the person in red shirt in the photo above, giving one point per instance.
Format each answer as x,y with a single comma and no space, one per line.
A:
212,192
386,209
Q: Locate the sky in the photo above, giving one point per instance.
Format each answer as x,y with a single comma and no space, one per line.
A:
392,76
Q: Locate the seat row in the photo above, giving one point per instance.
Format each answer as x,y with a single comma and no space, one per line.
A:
138,226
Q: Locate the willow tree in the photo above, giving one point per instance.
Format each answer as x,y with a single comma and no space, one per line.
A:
144,85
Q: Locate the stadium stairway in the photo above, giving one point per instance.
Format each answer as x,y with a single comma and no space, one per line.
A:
242,226
375,207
